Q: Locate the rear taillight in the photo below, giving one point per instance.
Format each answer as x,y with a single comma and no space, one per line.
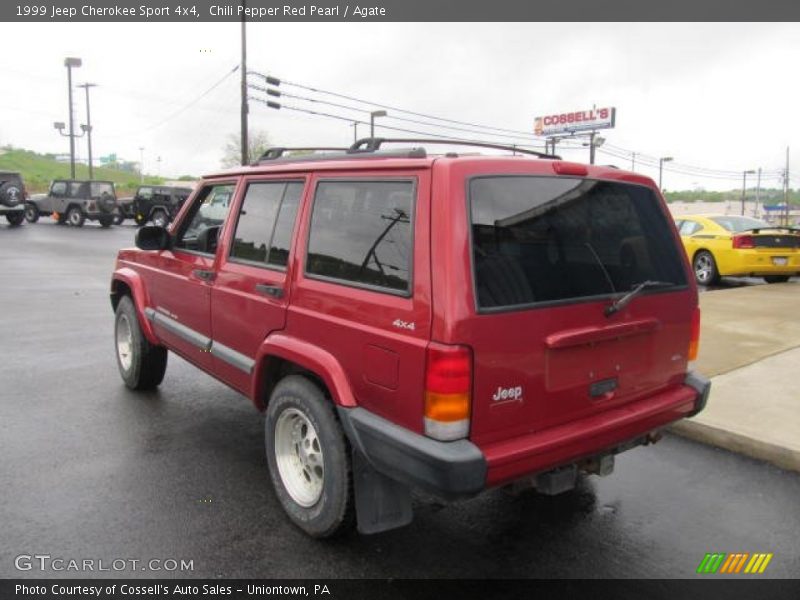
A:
448,385
743,241
694,340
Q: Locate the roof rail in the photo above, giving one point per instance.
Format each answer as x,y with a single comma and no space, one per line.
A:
373,144
278,151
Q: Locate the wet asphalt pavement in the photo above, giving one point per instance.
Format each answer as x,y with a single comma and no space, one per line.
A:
91,470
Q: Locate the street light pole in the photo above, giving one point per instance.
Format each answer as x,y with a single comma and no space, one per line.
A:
744,185
141,164
372,115
661,162
88,130
70,62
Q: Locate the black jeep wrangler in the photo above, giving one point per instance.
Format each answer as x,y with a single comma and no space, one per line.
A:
12,197
158,203
75,201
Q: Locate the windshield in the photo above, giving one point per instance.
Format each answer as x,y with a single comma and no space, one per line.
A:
548,239
736,224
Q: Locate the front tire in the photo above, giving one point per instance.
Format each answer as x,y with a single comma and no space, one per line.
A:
31,213
776,278
15,219
141,364
705,268
308,458
75,216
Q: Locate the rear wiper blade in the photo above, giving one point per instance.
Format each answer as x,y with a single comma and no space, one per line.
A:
623,301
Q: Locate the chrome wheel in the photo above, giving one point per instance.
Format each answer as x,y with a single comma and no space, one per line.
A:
704,268
298,456
124,342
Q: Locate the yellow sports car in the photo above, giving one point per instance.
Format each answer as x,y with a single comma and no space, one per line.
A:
729,245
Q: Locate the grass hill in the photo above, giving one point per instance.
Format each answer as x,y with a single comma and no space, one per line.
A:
38,170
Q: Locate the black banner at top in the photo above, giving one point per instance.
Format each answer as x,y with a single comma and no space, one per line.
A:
35,11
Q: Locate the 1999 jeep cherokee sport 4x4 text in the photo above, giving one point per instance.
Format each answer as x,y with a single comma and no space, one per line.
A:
449,323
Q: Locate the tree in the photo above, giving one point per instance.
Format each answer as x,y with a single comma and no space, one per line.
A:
258,142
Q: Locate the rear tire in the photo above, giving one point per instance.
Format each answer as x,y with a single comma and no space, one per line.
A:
776,278
106,221
75,216
119,218
309,458
705,268
31,213
141,364
15,219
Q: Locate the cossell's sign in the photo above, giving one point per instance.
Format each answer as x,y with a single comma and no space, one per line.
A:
582,120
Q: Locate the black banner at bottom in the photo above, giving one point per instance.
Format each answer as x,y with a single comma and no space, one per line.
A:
397,589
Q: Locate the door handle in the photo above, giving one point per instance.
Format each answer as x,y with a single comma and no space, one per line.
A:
275,291
204,275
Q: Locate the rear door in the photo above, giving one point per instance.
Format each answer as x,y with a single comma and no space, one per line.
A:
251,290
549,256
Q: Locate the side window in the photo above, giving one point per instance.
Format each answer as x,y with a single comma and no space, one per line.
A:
361,233
59,189
145,193
200,230
689,227
77,189
282,237
265,224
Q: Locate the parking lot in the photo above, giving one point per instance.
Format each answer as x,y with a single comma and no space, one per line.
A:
92,470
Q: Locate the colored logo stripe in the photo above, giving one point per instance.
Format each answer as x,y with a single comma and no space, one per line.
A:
720,562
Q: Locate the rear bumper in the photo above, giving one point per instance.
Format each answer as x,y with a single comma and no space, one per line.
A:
760,262
461,468
4,210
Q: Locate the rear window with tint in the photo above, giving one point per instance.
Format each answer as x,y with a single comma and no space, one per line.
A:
556,239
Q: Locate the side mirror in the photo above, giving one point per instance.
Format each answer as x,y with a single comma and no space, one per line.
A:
152,237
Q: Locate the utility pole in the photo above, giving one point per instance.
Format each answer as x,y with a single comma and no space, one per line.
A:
88,130
245,142
744,185
591,147
633,161
355,131
786,191
758,193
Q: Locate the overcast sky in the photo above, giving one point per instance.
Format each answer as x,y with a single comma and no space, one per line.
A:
715,96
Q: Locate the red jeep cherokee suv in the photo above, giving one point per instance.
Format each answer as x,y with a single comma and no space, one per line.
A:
449,323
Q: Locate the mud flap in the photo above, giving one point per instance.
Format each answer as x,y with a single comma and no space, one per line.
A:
381,502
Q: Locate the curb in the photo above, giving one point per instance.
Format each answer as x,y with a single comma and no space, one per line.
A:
783,457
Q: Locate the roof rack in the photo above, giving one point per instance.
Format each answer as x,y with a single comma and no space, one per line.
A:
278,151
373,144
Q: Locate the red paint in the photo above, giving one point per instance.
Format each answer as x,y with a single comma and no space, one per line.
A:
548,356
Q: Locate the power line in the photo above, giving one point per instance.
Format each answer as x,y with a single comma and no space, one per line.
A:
184,108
